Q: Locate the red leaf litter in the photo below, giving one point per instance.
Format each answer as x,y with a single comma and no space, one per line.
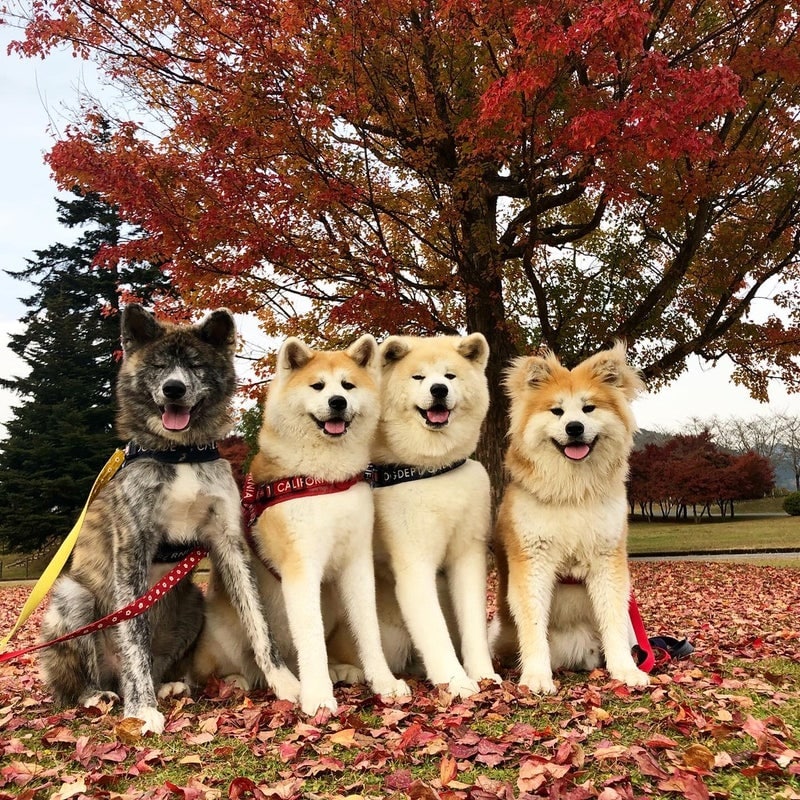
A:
704,725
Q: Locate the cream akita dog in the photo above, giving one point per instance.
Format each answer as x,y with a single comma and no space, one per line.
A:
432,509
560,539
315,525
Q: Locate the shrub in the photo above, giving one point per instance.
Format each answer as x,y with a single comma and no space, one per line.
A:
791,504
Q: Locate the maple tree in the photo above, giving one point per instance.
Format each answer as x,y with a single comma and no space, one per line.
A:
692,470
560,173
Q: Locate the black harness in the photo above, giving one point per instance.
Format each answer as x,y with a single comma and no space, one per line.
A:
380,475
175,454
167,552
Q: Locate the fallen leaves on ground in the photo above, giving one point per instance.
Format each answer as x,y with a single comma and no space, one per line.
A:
728,714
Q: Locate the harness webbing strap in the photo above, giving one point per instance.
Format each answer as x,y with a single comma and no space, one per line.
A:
641,636
381,475
256,497
177,454
134,609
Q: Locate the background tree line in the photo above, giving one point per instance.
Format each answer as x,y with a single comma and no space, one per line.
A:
775,436
692,474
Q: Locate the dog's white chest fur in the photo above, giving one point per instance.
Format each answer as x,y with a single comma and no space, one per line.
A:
561,531
434,514
326,528
187,504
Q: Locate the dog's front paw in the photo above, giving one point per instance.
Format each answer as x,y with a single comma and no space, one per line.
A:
538,682
284,684
631,676
485,675
463,686
173,689
239,681
395,688
345,673
312,703
95,699
152,719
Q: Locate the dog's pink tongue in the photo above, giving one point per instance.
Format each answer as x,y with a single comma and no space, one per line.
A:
576,451
438,415
334,427
175,418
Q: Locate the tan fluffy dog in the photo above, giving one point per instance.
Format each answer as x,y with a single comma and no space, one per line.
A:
319,422
561,533
432,510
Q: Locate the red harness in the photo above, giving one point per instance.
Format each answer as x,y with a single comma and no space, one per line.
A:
256,497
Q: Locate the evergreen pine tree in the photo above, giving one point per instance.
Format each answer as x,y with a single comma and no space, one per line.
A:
61,433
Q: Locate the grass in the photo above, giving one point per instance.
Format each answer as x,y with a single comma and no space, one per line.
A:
742,532
745,531
23,566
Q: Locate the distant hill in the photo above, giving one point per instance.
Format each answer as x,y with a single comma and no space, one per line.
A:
784,477
644,437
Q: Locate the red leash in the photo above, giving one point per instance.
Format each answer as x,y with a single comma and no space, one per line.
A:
642,641
641,636
134,609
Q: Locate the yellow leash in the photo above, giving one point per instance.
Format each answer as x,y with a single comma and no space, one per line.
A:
53,569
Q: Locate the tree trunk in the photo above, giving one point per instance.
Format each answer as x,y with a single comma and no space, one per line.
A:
484,314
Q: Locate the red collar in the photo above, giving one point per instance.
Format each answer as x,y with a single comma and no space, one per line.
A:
256,497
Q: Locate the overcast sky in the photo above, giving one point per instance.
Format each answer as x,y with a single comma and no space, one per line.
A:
36,97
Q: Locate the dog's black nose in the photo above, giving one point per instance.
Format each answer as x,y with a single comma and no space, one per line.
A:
174,389
574,429
337,403
439,391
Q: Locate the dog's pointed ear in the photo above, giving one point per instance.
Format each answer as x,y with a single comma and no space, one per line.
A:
393,349
475,348
539,369
523,372
528,372
293,355
218,328
138,327
611,367
364,351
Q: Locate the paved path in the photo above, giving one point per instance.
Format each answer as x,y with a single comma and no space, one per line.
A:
720,555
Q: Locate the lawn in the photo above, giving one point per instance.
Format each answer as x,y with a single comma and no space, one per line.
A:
764,532
722,724
741,533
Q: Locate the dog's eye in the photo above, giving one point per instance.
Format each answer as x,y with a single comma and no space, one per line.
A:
450,376
559,412
588,409
318,386
418,377
347,386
